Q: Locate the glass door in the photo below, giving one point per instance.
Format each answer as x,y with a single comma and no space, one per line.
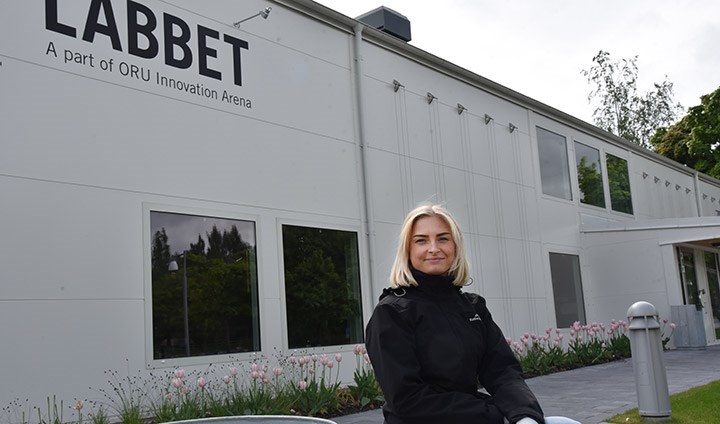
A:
689,277
713,280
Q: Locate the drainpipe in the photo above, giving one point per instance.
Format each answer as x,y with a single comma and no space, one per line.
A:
696,181
368,226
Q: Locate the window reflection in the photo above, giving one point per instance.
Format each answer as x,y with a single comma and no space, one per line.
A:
619,182
322,286
214,258
567,289
554,171
589,172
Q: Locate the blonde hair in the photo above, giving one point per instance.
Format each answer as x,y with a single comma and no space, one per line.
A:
400,275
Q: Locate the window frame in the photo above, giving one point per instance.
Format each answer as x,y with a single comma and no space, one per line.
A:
364,291
567,177
151,362
583,312
629,181
601,172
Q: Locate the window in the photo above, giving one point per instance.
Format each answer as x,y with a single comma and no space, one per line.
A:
619,181
713,278
554,170
589,172
567,289
322,286
204,286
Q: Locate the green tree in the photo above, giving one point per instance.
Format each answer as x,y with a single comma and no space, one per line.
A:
623,111
695,139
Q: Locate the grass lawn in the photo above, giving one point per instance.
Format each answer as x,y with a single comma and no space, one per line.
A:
700,405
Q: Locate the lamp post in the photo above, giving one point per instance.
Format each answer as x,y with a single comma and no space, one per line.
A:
172,267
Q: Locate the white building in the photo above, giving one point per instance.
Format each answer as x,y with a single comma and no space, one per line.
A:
271,166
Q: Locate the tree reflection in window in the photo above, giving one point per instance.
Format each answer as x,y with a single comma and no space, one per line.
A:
221,274
322,287
589,175
619,181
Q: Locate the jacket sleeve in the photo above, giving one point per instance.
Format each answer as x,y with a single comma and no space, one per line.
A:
391,346
501,374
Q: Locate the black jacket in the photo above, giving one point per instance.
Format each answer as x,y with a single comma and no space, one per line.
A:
431,345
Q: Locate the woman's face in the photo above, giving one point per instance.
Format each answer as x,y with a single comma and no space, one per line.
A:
432,248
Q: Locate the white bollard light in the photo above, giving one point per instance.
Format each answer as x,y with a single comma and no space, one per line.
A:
648,364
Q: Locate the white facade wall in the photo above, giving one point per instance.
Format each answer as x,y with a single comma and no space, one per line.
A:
87,153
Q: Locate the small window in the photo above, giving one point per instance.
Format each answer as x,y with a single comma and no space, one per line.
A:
589,172
554,168
619,181
567,289
204,286
322,287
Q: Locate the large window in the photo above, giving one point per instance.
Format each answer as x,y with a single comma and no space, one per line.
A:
567,289
204,286
589,172
554,170
322,287
619,181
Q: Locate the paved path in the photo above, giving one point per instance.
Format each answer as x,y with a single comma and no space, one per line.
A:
593,394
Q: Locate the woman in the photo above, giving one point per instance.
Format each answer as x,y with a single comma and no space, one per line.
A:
430,344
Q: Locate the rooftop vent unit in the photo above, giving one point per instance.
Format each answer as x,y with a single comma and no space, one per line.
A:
388,21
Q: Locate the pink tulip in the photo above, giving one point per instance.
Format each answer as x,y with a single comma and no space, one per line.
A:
254,375
78,405
314,357
324,359
330,364
179,373
265,380
233,371
358,349
338,357
186,390
168,396
673,325
201,382
508,340
556,343
177,382
254,367
293,360
301,361
226,379
302,385
277,371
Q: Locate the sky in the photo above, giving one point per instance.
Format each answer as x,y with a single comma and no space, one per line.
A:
540,47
